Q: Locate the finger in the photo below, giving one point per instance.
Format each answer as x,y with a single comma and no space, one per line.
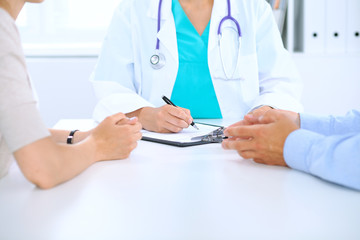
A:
177,122
241,131
126,120
168,127
133,120
249,154
259,160
240,123
236,138
138,126
138,136
134,128
115,118
179,113
186,111
133,146
261,111
239,145
251,118
123,121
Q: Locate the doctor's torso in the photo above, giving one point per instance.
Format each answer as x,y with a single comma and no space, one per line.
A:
131,41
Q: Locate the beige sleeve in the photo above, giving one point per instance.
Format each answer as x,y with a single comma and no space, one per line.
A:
20,121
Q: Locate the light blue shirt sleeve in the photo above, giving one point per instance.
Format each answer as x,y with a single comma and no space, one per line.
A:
330,125
327,147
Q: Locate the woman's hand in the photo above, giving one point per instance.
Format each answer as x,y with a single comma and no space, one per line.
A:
115,137
165,119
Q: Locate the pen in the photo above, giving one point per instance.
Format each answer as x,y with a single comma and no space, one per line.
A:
168,101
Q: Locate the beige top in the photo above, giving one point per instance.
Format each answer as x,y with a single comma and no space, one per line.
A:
20,121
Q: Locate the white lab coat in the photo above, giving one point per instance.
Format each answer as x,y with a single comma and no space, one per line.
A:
124,81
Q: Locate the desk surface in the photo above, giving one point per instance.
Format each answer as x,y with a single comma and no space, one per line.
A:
165,192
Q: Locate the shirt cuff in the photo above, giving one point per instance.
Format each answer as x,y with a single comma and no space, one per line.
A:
319,124
298,147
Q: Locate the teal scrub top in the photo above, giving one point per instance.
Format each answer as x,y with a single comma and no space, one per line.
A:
193,87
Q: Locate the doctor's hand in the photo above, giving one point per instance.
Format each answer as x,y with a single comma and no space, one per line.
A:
264,140
115,137
165,119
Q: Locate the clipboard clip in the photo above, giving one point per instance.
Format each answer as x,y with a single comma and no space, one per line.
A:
215,136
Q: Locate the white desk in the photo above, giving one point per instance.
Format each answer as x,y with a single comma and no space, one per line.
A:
164,192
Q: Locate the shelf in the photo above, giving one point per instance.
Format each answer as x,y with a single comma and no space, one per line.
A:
326,55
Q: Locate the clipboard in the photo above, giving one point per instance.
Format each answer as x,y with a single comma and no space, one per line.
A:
207,134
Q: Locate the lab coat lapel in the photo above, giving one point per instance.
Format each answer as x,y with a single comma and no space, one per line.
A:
163,79
218,12
167,33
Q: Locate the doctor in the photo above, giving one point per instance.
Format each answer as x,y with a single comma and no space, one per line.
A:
215,58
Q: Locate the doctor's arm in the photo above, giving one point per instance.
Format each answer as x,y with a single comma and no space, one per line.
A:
117,80
280,85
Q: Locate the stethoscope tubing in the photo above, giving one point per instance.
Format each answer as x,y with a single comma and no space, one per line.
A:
158,25
229,17
157,60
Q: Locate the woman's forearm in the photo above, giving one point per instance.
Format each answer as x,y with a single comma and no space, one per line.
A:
47,164
60,136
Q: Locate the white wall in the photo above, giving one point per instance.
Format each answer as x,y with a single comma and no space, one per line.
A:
63,87
332,85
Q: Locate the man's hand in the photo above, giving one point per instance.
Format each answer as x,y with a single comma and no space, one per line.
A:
262,138
260,111
252,117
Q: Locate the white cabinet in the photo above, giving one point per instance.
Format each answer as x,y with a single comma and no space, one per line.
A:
331,79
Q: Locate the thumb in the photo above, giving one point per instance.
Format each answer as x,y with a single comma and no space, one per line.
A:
132,121
126,120
252,119
117,117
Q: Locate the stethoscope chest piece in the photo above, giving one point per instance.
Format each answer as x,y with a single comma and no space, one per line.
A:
157,60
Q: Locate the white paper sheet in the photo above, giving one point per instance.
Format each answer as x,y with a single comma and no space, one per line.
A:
184,136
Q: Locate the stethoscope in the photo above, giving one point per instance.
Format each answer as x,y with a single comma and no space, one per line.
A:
157,60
